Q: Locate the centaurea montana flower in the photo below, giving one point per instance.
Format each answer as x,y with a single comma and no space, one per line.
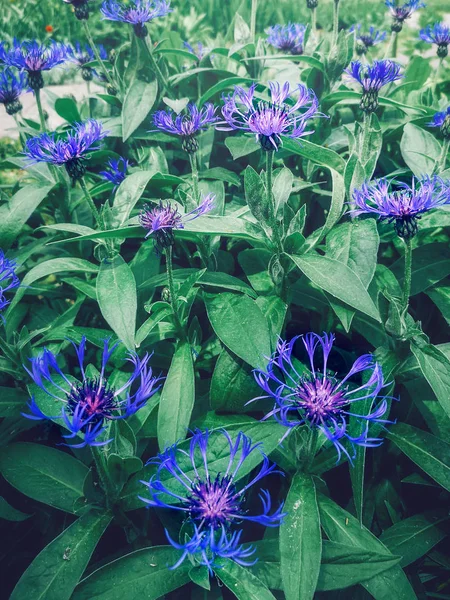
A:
372,78
90,404
117,171
287,38
368,39
81,56
70,151
162,219
32,57
11,88
8,279
442,120
402,12
187,124
209,497
318,399
438,34
137,12
80,8
403,205
273,119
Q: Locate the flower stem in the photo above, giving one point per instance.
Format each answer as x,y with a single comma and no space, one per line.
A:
37,94
314,21
194,169
443,157
91,203
96,53
159,76
253,20
171,283
335,21
271,204
102,471
391,46
364,151
408,275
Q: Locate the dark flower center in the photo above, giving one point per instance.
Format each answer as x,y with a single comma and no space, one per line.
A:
75,169
320,400
369,101
214,502
94,397
442,50
35,80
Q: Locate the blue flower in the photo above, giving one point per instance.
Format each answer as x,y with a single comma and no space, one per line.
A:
402,12
117,171
372,78
71,151
136,12
80,8
211,501
88,405
364,41
442,120
271,120
318,399
11,87
162,219
81,56
32,57
403,205
438,34
288,38
187,124
8,279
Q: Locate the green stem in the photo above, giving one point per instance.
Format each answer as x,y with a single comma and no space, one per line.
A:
96,53
271,204
335,21
194,169
37,94
91,203
408,275
253,20
171,283
314,21
159,76
102,471
22,136
4,346
392,44
365,139
443,157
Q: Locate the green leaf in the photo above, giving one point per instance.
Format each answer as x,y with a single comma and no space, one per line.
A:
141,574
15,213
255,194
430,453
56,570
430,264
414,537
309,60
338,280
117,298
44,474
300,540
435,367
255,264
316,154
229,82
128,194
12,402
9,513
350,97
282,188
239,323
441,297
177,398
67,109
420,150
240,146
138,103
243,584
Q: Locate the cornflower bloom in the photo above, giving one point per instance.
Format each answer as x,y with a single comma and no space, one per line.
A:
188,124
287,38
402,12
273,119
442,120
318,399
8,279
32,57
438,34
364,41
11,88
162,219
71,151
80,8
404,205
372,78
211,500
88,405
136,12
117,171
81,56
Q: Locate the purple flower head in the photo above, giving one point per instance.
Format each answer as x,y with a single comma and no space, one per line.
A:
403,205
372,78
11,87
187,124
438,34
366,40
200,52
402,12
287,38
70,151
162,219
136,12
210,499
442,120
80,8
89,404
271,120
80,56
8,279
32,57
117,171
318,399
